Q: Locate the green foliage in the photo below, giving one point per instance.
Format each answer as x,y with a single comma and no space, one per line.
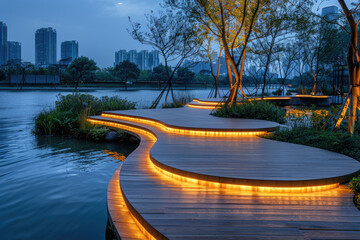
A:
159,74
98,133
70,113
185,75
319,119
181,99
173,105
252,110
82,69
127,71
354,185
340,142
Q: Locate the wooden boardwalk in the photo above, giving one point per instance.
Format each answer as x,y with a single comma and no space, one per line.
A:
168,206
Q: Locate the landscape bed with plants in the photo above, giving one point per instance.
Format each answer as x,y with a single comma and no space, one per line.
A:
68,117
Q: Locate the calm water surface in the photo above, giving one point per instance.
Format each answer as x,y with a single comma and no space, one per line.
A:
55,188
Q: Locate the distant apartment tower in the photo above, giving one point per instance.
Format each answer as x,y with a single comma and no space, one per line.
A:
133,56
69,51
3,43
14,51
330,13
45,46
154,60
143,60
120,56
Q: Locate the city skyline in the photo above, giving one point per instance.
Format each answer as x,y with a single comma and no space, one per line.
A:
100,26
108,18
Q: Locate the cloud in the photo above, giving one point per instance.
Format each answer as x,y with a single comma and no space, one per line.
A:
131,7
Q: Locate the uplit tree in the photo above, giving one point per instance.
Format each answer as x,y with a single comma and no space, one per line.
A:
234,23
353,62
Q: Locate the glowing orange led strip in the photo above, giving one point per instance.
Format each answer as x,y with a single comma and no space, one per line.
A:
200,106
216,184
237,187
184,131
311,96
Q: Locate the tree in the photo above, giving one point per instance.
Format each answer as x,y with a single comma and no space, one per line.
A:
159,74
185,76
208,51
234,23
174,36
127,71
285,60
82,69
274,27
353,62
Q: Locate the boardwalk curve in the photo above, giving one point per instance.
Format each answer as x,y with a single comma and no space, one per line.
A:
162,204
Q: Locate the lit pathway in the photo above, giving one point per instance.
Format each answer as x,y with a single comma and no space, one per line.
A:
226,183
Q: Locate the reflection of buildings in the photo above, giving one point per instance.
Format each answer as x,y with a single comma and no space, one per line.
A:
14,51
69,51
3,43
144,59
45,46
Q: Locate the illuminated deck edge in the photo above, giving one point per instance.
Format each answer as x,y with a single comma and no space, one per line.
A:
190,131
123,222
272,186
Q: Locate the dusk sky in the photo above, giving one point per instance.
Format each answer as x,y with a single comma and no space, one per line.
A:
99,25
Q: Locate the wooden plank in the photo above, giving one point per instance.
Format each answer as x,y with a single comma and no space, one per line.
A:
181,210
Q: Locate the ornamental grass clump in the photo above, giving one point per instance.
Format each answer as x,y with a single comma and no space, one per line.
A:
68,118
252,110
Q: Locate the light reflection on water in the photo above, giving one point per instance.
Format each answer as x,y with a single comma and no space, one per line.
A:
55,188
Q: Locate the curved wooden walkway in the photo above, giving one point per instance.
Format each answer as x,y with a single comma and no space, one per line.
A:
164,203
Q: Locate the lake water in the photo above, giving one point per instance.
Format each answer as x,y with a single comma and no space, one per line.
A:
55,188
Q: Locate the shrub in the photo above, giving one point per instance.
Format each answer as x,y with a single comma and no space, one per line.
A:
252,110
70,113
340,142
98,133
354,185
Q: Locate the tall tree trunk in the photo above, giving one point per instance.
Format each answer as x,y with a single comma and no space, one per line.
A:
353,66
352,111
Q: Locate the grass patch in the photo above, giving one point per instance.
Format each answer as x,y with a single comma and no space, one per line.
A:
252,110
68,118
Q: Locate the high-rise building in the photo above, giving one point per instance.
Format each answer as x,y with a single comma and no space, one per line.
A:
330,13
45,46
154,59
120,56
132,56
143,60
3,43
14,51
69,51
